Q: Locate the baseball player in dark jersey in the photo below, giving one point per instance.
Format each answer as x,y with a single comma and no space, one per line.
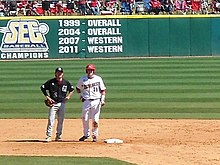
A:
57,91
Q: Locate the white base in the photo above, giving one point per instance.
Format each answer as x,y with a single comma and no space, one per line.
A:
110,141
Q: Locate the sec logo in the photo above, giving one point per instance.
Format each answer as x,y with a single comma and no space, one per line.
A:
24,36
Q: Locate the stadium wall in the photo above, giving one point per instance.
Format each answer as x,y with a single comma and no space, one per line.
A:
52,37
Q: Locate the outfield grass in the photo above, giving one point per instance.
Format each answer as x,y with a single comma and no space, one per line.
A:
37,160
136,88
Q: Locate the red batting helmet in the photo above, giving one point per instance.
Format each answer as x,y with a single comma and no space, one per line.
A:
90,67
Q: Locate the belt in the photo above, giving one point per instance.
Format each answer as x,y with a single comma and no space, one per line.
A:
82,99
92,99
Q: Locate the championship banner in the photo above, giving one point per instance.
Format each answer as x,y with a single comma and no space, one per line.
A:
60,38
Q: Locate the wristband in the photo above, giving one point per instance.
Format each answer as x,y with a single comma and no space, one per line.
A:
103,98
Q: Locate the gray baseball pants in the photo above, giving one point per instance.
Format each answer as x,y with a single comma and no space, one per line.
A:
57,110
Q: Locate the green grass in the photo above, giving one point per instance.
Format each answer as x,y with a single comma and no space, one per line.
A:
27,160
136,88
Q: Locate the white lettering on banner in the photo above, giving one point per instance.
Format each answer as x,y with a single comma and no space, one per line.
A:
105,40
105,49
69,37
8,46
36,55
104,23
104,31
102,36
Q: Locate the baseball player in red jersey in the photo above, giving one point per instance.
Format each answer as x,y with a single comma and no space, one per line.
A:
92,93
60,90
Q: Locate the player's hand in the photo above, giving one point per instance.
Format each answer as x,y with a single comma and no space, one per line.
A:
82,99
66,99
102,100
102,103
50,100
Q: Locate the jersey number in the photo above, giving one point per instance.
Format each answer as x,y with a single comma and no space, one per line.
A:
95,89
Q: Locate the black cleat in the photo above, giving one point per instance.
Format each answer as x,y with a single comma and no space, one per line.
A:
83,138
58,138
94,139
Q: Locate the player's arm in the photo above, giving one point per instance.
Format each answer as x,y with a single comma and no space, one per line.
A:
69,95
103,92
44,88
78,86
78,90
71,91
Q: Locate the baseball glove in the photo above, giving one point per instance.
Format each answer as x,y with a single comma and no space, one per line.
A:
48,103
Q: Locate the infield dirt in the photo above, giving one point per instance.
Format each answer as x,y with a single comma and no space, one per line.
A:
146,141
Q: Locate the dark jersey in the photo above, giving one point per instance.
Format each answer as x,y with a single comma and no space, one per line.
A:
57,92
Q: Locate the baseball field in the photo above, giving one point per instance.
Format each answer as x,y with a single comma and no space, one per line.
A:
166,110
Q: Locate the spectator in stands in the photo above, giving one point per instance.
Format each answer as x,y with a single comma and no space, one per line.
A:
13,8
2,9
111,6
53,8
59,7
37,8
125,7
147,6
21,7
132,4
156,6
70,7
167,6
31,8
82,7
196,6
46,7
181,6
94,6
204,6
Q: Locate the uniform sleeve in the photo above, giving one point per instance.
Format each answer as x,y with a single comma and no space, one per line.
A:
44,87
71,87
102,84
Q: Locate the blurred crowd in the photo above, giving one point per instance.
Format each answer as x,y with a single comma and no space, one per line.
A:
107,7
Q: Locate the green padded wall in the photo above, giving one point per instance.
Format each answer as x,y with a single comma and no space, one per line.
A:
159,39
109,36
200,37
180,37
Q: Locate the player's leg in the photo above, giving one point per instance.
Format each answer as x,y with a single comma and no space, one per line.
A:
51,119
95,113
85,120
60,119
